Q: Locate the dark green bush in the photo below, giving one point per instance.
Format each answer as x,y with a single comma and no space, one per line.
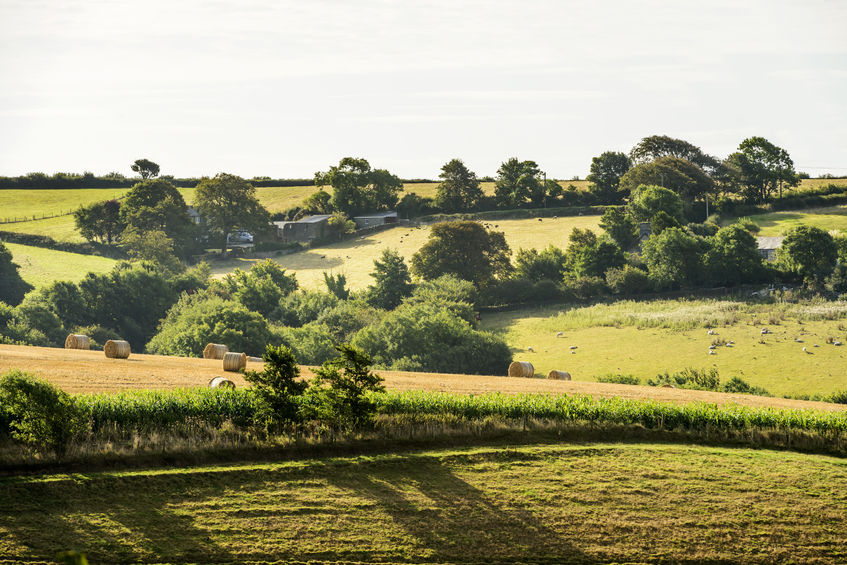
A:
37,414
618,379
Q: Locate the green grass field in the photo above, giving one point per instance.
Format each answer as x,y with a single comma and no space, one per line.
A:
354,258
831,218
648,338
501,502
40,266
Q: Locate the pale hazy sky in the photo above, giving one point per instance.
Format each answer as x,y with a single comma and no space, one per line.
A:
279,88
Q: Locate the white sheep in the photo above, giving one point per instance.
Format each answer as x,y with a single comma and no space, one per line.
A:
530,348
560,334
804,350
711,332
573,347
711,352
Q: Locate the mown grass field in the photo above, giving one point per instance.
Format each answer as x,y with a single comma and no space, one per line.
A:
354,258
831,218
501,502
40,266
651,337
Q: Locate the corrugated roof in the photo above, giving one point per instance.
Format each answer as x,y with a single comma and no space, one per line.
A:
314,219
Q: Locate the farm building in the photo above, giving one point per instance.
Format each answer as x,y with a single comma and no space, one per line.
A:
376,219
768,246
195,216
307,229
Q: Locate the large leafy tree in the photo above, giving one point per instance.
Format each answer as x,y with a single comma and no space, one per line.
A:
605,177
519,181
674,258
763,167
459,188
685,178
591,256
649,200
733,257
156,204
228,202
12,286
465,249
357,188
534,265
146,168
391,281
620,226
810,252
655,147
100,221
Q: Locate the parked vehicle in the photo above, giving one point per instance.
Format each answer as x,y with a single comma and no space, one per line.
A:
240,236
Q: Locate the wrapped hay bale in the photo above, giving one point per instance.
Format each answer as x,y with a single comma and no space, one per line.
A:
559,375
234,361
215,351
255,359
521,369
221,382
77,341
116,349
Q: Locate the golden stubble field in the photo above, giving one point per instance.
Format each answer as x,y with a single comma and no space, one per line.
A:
77,371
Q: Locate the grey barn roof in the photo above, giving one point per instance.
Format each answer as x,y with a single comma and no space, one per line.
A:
769,242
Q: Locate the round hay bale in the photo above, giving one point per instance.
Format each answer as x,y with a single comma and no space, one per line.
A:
559,375
255,359
214,351
221,382
77,341
116,349
521,369
234,361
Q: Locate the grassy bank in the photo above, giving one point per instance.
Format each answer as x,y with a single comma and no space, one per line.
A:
501,503
40,266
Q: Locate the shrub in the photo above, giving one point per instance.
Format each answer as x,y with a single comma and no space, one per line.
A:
629,280
739,385
618,379
703,379
38,414
277,386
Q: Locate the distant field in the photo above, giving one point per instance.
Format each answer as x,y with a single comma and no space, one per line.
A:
354,258
41,266
498,503
832,218
648,338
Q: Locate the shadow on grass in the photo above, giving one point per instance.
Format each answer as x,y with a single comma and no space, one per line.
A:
430,515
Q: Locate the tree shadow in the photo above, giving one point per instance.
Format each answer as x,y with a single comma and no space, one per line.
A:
454,521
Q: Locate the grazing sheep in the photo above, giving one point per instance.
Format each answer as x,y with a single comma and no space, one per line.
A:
712,346
573,352
530,348
798,340
815,345
573,347
804,350
560,334
711,352
711,332
836,342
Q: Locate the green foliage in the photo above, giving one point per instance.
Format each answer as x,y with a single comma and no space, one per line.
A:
465,249
431,337
703,379
312,343
146,168
151,245
457,295
534,265
740,386
661,221
763,168
682,177
228,202
262,287
733,257
647,200
100,221
392,282
808,251
605,177
674,258
300,308
277,386
459,188
339,226
156,204
412,205
628,280
590,256
618,379
339,394
14,331
346,318
318,203
337,285
749,225
836,283
37,414
657,146
202,318
517,182
620,226
12,286
356,188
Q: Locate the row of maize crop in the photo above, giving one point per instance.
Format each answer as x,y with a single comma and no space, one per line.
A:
153,410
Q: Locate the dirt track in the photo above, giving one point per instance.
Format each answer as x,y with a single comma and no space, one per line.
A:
90,371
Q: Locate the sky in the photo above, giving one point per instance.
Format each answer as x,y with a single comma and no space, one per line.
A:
287,88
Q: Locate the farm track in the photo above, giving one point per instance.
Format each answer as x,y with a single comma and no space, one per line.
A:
78,371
